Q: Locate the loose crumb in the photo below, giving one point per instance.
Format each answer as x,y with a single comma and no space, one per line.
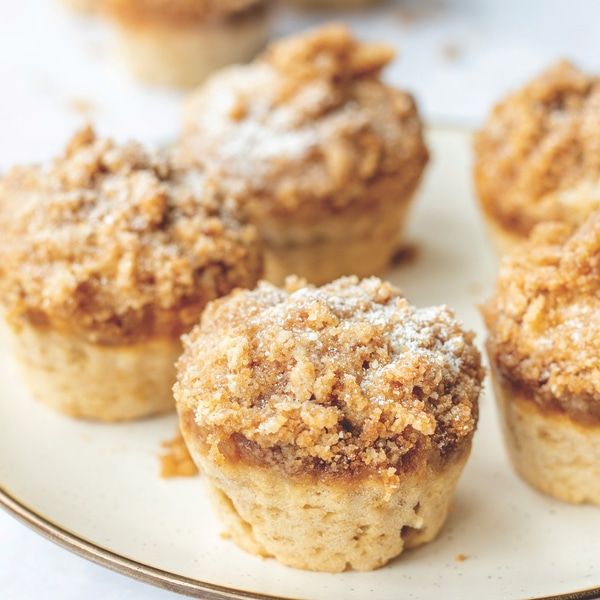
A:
406,255
461,557
176,461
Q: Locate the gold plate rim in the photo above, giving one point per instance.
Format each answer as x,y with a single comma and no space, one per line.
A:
158,577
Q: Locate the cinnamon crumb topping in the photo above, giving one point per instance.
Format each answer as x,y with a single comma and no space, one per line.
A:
346,377
322,127
538,156
116,243
544,319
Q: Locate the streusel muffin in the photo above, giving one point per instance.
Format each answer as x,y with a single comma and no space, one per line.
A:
180,43
107,256
330,423
324,160
544,348
537,157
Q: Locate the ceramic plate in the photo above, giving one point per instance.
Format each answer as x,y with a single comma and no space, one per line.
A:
96,488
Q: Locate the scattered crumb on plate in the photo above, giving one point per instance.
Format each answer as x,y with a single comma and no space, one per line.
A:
451,51
406,254
461,557
176,460
81,106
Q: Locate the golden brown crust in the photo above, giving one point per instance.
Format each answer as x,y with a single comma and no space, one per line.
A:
537,157
544,319
342,379
117,244
180,13
322,128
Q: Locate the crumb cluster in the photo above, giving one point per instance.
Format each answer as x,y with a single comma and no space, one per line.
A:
182,13
322,127
116,244
538,156
344,378
544,319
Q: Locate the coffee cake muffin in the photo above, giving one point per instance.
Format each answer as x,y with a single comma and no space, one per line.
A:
331,423
107,255
544,348
324,160
180,43
537,157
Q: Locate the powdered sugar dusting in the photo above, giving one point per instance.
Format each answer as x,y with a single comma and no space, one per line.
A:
348,374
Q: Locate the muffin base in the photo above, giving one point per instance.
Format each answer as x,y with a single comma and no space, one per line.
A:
551,452
328,525
346,244
185,56
91,381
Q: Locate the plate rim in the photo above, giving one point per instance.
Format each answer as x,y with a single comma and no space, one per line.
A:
158,577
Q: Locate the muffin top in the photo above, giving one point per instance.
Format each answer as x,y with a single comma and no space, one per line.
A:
347,378
176,12
306,126
116,244
544,319
538,156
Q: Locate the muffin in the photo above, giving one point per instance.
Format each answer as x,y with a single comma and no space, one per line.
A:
180,43
331,424
544,348
537,157
107,256
324,160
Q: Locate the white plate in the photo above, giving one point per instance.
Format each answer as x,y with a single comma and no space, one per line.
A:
96,489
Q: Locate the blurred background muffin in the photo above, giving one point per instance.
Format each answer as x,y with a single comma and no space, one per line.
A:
107,255
320,154
537,158
180,43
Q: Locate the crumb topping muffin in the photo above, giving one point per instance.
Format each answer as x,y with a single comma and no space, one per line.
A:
322,128
544,319
117,244
538,155
345,379
182,12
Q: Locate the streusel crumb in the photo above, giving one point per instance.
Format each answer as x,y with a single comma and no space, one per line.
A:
117,244
344,378
544,319
182,12
323,126
538,157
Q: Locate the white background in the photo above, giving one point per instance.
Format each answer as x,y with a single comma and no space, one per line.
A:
57,70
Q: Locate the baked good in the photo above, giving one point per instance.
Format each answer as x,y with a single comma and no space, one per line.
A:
107,255
324,160
180,43
544,348
331,424
537,159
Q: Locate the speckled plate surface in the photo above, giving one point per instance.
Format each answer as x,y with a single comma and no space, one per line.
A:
96,488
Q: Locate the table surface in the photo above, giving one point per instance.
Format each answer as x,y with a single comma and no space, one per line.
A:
59,70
